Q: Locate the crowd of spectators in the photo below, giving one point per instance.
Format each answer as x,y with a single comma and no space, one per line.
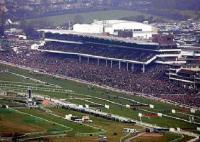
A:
152,82
190,100
103,50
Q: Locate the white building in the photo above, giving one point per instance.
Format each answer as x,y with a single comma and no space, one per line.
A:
112,27
88,28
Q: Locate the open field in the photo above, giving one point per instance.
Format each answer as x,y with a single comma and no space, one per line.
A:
5,76
155,137
160,138
109,126
85,94
87,17
15,122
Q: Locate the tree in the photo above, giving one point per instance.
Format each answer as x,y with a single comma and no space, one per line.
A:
140,18
29,30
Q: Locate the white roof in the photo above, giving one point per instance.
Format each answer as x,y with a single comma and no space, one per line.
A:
123,23
115,22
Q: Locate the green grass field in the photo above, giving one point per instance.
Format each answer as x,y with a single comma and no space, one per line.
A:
97,94
77,128
5,76
13,121
83,94
88,17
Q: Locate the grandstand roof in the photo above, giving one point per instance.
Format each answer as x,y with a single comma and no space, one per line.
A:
100,36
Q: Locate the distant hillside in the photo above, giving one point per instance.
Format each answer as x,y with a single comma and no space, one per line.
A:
176,4
166,9
171,9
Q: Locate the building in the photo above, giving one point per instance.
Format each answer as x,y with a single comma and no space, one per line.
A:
164,40
88,28
117,28
129,52
189,76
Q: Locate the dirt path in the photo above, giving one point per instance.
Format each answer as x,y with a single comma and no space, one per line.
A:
133,137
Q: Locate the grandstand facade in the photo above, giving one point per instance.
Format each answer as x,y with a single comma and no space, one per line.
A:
123,51
189,76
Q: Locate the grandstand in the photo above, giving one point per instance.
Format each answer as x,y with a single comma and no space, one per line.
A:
152,82
116,62
188,76
102,50
108,48
68,35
